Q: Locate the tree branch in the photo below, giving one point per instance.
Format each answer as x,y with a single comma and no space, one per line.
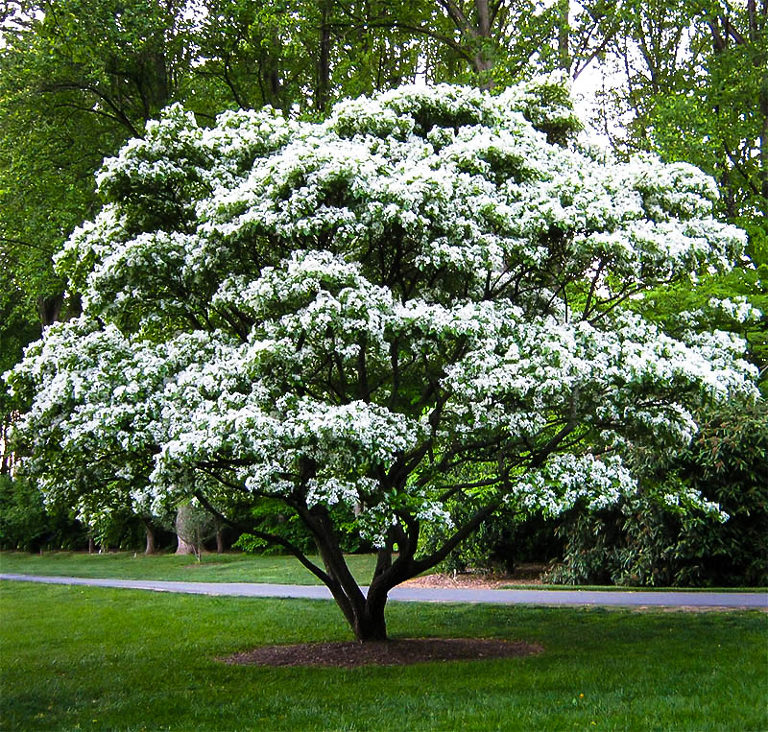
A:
421,565
271,539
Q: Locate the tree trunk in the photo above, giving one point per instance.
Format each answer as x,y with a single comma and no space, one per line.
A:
6,458
483,61
219,538
323,83
564,35
370,624
184,547
758,35
49,308
150,532
365,615
183,533
764,146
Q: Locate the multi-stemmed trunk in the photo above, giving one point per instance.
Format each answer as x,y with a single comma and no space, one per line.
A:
370,624
365,611
396,561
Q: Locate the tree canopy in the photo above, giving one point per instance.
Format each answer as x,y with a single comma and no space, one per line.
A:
420,298
78,77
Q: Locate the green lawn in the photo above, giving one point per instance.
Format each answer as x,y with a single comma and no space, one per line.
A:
92,658
211,568
233,567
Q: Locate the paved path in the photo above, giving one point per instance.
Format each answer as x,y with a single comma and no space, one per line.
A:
736,600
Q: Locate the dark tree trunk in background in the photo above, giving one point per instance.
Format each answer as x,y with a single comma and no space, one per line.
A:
150,532
323,87
219,538
49,308
6,458
758,36
564,35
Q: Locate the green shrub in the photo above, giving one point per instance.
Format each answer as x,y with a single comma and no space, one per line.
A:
26,524
645,542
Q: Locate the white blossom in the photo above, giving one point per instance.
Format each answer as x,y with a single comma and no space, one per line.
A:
348,314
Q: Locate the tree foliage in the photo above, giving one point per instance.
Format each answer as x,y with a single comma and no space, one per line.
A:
76,79
26,524
416,300
644,541
695,88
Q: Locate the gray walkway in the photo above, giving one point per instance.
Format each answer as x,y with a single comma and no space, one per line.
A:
733,600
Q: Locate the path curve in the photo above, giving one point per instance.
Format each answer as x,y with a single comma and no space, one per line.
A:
731,600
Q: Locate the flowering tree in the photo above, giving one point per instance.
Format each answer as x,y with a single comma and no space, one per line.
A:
416,300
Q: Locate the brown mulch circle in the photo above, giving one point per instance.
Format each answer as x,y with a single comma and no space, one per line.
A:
397,652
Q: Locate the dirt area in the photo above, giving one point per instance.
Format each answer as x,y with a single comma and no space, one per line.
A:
399,652
403,651
464,581
525,574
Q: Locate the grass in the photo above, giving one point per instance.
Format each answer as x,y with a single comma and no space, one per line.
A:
93,658
228,568
211,568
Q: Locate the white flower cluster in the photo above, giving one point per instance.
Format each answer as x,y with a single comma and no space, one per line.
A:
687,498
320,311
569,479
738,309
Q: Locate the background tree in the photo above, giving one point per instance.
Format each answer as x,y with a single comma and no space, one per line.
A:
193,525
77,78
693,85
417,300
696,83
27,524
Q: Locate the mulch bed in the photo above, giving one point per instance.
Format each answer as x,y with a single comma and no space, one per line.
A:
397,652
524,574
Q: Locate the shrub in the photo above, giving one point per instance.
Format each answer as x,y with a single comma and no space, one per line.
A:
645,541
